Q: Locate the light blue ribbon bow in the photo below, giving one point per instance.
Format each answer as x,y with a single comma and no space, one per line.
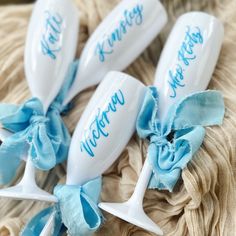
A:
173,144
77,209
46,138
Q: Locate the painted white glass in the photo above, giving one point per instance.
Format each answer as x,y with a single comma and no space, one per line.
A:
105,127
190,54
50,46
52,36
103,131
189,57
118,41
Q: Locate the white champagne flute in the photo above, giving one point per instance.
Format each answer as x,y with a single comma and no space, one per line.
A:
98,139
186,66
118,41
147,16
50,48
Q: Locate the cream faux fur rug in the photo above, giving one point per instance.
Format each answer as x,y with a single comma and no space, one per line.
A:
203,203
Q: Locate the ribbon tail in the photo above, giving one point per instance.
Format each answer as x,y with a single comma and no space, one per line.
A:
35,226
69,80
11,151
8,168
155,181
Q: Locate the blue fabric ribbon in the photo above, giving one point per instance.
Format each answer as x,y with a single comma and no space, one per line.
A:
77,209
173,143
37,223
46,138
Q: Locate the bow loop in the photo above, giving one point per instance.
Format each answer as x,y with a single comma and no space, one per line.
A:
173,143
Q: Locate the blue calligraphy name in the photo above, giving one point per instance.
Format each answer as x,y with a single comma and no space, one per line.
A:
185,56
97,128
50,44
130,18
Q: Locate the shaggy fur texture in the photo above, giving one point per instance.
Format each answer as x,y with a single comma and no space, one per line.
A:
203,203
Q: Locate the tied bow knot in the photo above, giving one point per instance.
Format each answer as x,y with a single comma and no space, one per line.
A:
38,120
159,140
173,143
76,208
44,138
162,141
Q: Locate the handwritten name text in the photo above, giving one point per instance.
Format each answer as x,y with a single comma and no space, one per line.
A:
130,19
97,128
50,41
186,55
